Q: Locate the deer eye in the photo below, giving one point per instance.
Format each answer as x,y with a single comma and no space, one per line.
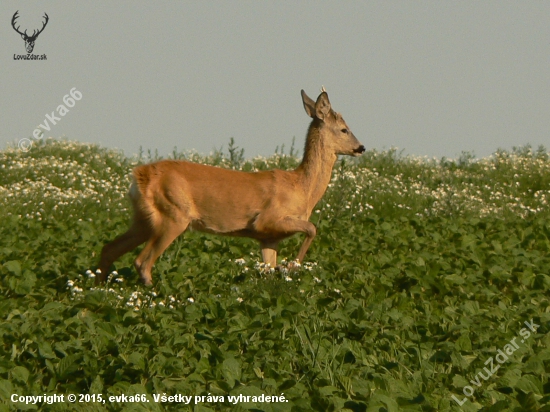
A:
344,131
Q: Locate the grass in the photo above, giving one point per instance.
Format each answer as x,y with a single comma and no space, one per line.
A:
422,271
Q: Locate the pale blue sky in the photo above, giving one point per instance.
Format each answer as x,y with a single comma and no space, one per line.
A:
432,77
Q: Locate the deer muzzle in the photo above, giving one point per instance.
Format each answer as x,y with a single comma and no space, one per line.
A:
360,150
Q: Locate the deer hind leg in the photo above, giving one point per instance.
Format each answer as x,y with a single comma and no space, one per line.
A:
161,239
138,233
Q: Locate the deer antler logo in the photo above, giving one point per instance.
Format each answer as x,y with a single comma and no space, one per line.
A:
29,40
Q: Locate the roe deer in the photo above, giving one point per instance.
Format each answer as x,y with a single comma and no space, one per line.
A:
170,196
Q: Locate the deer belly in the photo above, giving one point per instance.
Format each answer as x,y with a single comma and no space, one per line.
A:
226,221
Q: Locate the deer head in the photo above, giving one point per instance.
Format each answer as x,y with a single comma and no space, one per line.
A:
338,138
29,40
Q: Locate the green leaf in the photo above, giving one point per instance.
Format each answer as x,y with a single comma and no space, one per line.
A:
13,266
67,365
459,381
294,307
20,374
137,359
97,385
26,284
469,241
45,350
119,388
463,343
327,390
248,390
94,299
510,378
289,383
383,400
529,383
6,389
231,370
454,279
420,262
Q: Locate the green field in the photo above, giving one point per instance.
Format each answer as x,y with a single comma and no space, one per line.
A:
416,290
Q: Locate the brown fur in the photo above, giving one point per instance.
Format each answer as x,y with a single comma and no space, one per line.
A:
171,196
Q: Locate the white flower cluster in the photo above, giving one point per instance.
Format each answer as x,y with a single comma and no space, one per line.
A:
264,268
55,186
134,299
432,187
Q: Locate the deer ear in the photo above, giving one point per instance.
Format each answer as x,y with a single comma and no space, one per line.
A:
309,105
23,36
322,106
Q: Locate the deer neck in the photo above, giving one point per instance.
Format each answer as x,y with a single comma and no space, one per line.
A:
315,171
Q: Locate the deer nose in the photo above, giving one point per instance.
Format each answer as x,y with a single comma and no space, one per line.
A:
360,149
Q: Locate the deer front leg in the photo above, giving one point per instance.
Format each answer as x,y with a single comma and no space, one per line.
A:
269,252
310,232
287,227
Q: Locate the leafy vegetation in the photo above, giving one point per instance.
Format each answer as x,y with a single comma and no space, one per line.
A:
421,272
